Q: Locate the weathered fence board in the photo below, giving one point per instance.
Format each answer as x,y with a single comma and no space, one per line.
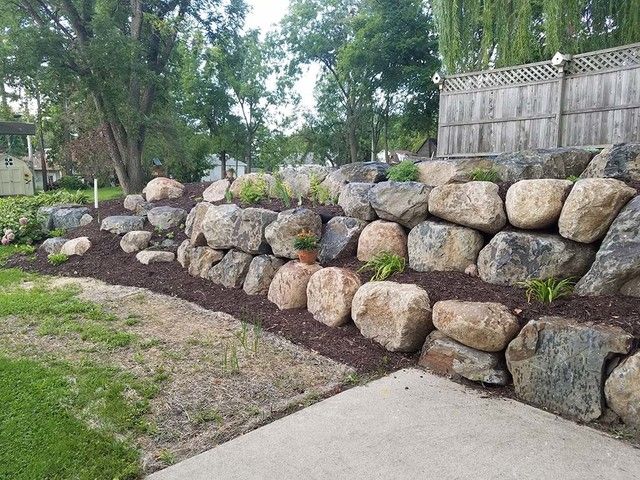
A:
589,99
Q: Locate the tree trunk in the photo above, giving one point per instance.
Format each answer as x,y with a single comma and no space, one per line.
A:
126,156
43,155
353,140
223,164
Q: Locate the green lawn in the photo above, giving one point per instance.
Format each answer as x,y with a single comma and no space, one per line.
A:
108,193
7,251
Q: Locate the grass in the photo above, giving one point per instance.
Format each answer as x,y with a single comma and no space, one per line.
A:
549,290
485,175
109,193
405,171
384,265
8,251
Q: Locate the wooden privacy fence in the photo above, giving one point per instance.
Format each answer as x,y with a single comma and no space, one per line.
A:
592,99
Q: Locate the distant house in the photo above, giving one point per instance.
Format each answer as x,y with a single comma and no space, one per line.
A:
54,172
216,173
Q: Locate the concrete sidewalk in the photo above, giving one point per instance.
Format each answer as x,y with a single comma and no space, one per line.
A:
414,425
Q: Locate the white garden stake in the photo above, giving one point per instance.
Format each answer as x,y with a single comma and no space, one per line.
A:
95,193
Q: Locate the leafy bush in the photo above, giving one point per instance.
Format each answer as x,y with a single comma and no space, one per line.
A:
318,193
253,190
56,259
70,182
549,290
405,171
485,175
384,265
56,233
305,242
283,191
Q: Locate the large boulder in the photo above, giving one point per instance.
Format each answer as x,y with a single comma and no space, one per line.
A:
367,172
135,241
397,316
77,246
121,224
330,293
217,191
165,218
300,178
622,391
340,238
69,218
536,204
249,230
133,202
184,253
334,183
147,257
201,259
591,207
260,275
53,245
406,203
162,188
288,288
475,204
440,172
621,161
281,233
354,200
264,179
232,270
438,246
481,325
559,364
513,257
193,224
218,224
617,263
543,163
382,236
445,356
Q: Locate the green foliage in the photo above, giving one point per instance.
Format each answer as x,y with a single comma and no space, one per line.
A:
253,191
405,171
57,259
384,265
70,182
573,178
228,196
56,233
305,242
318,193
549,290
282,191
8,251
485,175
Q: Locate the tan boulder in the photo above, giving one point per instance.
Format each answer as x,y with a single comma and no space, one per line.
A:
216,192
194,222
534,204
330,293
135,241
183,255
397,316
484,326
441,172
622,391
382,236
77,246
147,257
162,188
591,208
288,288
202,259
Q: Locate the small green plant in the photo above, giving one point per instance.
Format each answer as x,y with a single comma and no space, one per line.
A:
228,196
283,191
573,178
318,193
230,362
57,259
405,171
257,334
549,290
253,191
384,265
167,457
243,335
170,235
485,175
56,233
305,242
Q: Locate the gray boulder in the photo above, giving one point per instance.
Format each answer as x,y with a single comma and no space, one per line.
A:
542,163
513,257
406,203
299,178
354,200
249,229
261,272
218,224
165,218
559,364
620,161
69,218
45,214
617,263
437,246
53,245
340,238
232,270
365,172
281,233
121,224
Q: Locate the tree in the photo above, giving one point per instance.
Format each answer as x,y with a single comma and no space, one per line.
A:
476,34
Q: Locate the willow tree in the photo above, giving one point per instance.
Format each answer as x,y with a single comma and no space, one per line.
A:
476,34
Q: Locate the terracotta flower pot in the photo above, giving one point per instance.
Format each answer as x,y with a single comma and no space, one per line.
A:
308,256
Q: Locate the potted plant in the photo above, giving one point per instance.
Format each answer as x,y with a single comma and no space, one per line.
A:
306,243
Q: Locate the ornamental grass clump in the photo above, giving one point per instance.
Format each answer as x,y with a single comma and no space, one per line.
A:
549,290
253,191
384,265
283,191
485,175
405,171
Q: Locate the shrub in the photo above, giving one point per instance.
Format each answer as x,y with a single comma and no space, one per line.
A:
305,242
318,193
228,196
56,233
253,190
283,191
405,171
70,182
485,175
384,265
549,290
56,259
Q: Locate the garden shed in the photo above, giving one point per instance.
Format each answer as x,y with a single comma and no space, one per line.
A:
16,177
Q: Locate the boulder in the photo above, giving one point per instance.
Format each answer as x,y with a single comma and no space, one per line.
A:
440,172
264,178
397,316
438,246
193,224
53,245
475,204
288,288
300,178
165,218
354,200
77,246
621,161
201,260
281,233
382,236
217,191
481,325
121,224
445,356
46,214
340,238
69,218
591,207
132,202
147,257
542,163
85,220
334,183
135,241
365,172
406,203
232,270
249,230
617,263
622,391
260,275
162,188
536,204
513,257
185,250
330,293
559,364
218,224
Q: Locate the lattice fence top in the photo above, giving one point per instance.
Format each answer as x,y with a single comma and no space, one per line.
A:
620,57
